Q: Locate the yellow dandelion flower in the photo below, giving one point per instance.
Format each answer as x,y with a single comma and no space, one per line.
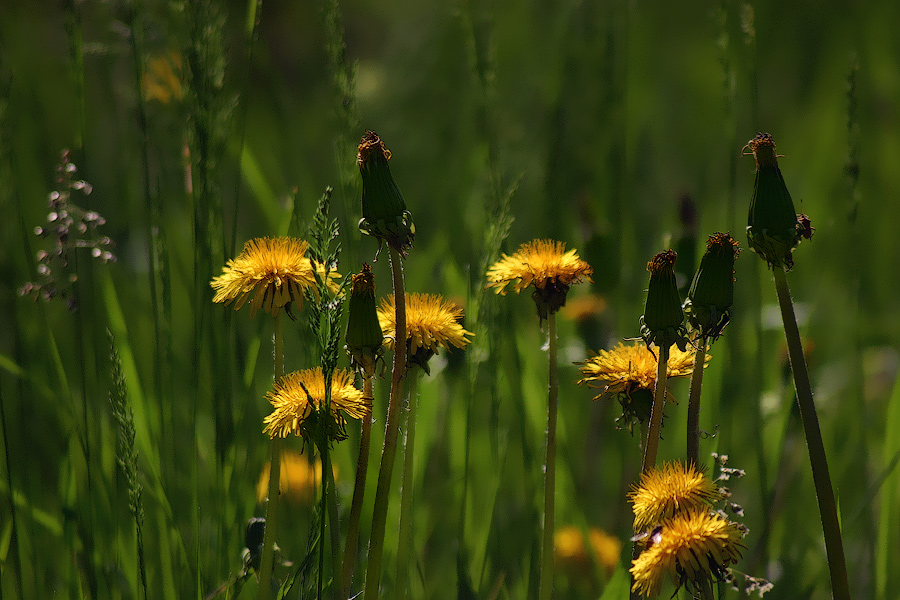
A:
294,413
690,547
299,479
582,308
162,78
431,323
670,489
571,551
271,273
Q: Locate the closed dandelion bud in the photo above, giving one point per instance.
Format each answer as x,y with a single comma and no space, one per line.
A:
364,336
384,211
772,227
663,320
711,295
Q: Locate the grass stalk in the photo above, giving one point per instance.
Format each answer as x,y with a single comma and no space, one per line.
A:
268,553
389,450
659,398
693,415
359,488
834,547
545,589
404,547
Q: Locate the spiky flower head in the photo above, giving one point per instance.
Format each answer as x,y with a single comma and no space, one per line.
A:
384,211
431,323
772,225
544,264
692,547
297,396
364,336
271,272
629,372
708,305
667,490
663,321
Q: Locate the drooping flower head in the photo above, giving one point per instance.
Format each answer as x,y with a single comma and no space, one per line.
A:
708,305
384,211
691,547
545,265
297,396
431,323
271,272
667,490
364,336
629,372
663,321
773,228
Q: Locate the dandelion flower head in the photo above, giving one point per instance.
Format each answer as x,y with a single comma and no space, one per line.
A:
295,396
538,263
431,323
299,481
670,489
270,272
690,547
627,368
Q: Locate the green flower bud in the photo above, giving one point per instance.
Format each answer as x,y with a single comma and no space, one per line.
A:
709,300
772,226
663,320
364,336
384,211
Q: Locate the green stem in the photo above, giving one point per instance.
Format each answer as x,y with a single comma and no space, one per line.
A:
659,399
693,416
404,547
824,492
392,425
359,488
268,553
546,580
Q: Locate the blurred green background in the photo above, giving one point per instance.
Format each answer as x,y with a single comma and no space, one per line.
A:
616,127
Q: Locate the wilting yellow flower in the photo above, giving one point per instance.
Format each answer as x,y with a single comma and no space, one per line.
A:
547,266
625,369
299,479
571,554
431,323
294,413
690,547
271,272
670,489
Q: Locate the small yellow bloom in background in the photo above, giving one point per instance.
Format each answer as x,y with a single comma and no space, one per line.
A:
431,323
162,78
585,307
544,264
299,480
292,396
270,272
670,489
571,552
691,547
629,371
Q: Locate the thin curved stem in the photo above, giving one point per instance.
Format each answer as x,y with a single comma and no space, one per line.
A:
359,489
392,426
693,415
834,546
659,399
268,553
404,546
546,580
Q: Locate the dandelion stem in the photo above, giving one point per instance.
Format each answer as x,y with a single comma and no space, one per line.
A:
659,398
546,579
404,547
693,415
389,450
268,553
818,461
359,488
